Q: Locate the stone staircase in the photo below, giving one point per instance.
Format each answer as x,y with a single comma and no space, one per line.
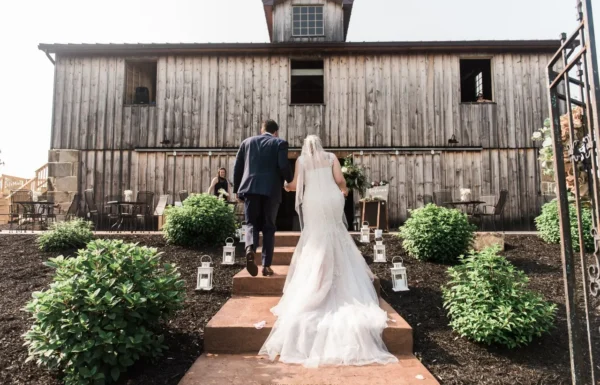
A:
231,341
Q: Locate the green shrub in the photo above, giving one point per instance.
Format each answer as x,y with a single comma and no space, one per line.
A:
203,220
488,302
73,234
549,228
434,233
102,311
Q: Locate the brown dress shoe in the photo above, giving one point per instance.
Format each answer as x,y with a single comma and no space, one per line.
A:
267,271
250,265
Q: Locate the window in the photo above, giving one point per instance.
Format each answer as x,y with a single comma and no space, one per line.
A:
307,83
308,20
140,83
476,80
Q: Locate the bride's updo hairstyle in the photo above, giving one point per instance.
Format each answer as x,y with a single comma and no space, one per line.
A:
312,145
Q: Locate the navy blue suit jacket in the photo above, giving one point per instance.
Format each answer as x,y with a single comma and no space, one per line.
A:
261,166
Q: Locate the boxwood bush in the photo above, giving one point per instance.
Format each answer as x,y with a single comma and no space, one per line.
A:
434,233
488,302
202,220
102,311
548,225
73,234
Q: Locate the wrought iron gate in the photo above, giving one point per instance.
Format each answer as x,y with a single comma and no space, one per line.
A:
574,94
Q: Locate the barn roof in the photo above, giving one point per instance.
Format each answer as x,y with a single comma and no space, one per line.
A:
485,46
269,4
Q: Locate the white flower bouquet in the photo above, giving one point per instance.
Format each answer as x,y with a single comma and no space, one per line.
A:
465,194
223,193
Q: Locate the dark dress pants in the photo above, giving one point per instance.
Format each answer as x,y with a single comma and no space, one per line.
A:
261,215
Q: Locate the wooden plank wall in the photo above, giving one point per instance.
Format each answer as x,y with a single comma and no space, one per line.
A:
412,175
371,101
110,173
333,15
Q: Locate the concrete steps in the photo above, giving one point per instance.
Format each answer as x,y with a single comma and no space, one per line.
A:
232,329
252,370
245,284
282,255
232,342
284,239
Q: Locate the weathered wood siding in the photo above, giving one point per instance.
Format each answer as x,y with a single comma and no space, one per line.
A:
333,21
413,175
370,101
385,101
110,173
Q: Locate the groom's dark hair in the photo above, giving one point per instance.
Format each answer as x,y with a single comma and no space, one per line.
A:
270,126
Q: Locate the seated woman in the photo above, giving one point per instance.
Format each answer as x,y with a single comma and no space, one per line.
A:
219,183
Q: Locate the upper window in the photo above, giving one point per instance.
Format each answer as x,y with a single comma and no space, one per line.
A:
307,83
140,81
308,20
476,80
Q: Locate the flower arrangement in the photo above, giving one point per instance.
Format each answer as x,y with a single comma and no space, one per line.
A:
379,184
547,157
355,176
372,199
465,194
128,194
222,193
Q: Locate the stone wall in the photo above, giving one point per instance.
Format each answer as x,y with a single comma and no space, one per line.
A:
63,172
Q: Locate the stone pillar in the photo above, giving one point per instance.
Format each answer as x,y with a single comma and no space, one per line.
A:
63,172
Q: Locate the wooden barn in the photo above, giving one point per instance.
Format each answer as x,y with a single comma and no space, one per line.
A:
426,116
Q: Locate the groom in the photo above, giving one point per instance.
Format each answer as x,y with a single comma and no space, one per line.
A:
260,168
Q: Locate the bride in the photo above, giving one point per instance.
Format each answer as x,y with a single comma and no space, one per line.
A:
329,313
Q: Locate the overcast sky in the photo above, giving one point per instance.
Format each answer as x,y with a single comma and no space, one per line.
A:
27,75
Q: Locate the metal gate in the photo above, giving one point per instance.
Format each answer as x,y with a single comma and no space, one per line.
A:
574,93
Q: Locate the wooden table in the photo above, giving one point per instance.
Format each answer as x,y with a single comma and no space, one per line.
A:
132,211
466,204
41,210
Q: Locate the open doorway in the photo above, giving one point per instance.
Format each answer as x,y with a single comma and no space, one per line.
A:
287,218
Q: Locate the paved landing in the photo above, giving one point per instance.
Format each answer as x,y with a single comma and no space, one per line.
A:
250,369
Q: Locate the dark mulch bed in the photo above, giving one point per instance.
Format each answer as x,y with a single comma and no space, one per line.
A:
22,272
453,360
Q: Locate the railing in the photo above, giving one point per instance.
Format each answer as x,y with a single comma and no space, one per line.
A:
41,178
38,183
8,183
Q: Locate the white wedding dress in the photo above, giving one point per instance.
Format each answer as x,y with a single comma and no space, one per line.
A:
329,313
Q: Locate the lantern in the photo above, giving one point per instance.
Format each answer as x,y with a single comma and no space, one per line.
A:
378,233
228,252
205,274
243,232
399,277
365,233
379,251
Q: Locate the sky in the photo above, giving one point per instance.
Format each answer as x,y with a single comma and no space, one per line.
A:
26,75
